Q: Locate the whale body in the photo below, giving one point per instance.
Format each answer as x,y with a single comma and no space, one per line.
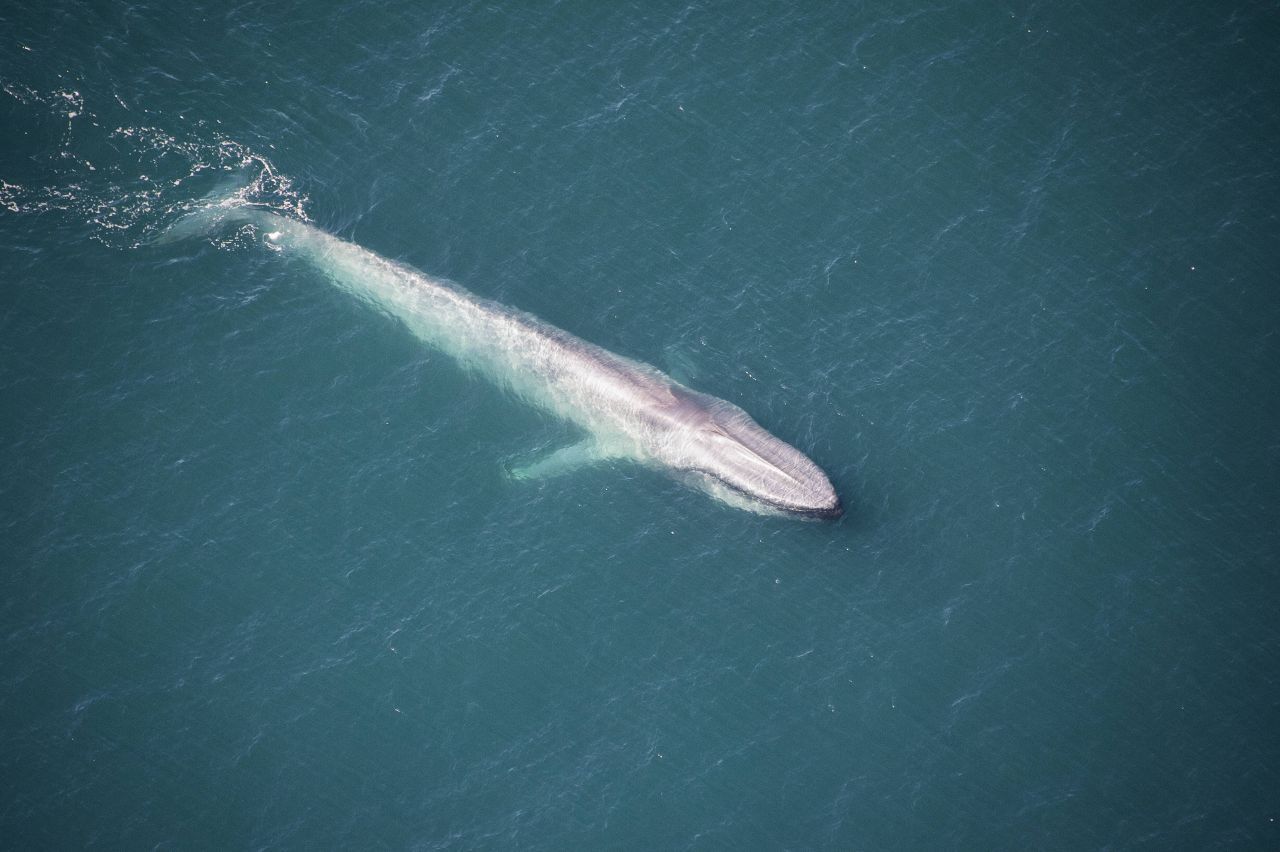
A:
627,409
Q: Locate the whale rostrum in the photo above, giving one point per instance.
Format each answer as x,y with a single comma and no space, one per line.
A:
627,409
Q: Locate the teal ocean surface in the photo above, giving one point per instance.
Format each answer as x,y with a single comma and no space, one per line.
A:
1008,273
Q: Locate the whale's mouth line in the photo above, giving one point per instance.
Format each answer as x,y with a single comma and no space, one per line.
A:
744,448
831,512
751,453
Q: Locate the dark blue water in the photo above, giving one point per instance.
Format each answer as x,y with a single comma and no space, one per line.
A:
1007,273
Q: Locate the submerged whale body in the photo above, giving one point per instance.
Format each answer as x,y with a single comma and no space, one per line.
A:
627,409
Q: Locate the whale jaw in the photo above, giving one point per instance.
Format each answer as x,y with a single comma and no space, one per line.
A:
760,504
826,513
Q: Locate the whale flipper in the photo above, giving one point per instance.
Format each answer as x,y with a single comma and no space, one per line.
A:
561,461
680,363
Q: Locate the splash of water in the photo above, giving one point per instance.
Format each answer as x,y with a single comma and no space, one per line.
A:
129,181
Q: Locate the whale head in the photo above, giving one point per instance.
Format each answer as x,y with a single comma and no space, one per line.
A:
726,453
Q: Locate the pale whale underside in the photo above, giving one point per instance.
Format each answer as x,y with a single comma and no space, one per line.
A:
627,409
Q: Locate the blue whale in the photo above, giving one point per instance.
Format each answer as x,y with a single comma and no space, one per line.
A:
625,408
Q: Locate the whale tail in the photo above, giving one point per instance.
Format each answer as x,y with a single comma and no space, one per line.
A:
224,204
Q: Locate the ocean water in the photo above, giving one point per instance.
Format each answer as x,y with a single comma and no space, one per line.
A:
1006,272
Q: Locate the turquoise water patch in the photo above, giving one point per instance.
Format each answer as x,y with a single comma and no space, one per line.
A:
1005,274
